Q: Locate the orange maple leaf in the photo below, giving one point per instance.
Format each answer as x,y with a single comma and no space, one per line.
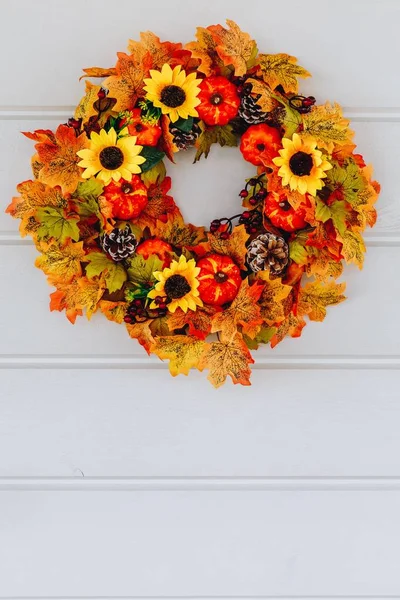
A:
61,263
178,233
76,296
199,322
60,159
161,52
227,358
314,297
159,205
114,311
142,333
127,85
205,50
234,47
243,311
272,298
292,326
234,246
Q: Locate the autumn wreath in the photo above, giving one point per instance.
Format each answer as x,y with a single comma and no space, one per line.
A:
112,239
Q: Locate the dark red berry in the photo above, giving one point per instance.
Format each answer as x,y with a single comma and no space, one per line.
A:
253,182
128,319
245,214
101,93
138,302
253,201
243,193
162,306
253,229
224,235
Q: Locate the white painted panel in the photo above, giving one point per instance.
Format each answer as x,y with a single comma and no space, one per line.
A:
174,544
210,188
367,323
351,48
116,423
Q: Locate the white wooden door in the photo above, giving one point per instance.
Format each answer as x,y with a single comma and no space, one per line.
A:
119,481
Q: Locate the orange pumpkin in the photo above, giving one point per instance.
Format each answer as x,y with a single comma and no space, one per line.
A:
260,144
282,214
155,246
219,279
147,134
127,198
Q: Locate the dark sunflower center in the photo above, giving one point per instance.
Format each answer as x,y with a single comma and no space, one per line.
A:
176,286
139,127
173,96
216,99
301,164
111,157
260,147
220,277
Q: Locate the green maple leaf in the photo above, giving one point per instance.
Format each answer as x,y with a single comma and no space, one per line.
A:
215,135
114,273
54,224
140,270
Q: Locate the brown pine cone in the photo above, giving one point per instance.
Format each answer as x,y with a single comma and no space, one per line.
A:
268,252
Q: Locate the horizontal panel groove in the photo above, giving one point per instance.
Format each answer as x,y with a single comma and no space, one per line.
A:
359,114
175,597
201,484
382,240
142,361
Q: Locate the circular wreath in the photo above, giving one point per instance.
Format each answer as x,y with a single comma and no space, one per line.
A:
112,239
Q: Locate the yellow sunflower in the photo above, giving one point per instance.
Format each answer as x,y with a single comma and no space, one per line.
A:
179,284
174,92
302,166
111,158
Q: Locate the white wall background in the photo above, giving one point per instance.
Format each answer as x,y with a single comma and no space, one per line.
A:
117,481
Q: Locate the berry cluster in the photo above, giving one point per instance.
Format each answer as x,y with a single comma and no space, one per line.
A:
252,220
138,313
255,188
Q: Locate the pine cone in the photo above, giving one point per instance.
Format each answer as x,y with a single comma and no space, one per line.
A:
268,252
184,139
250,111
120,243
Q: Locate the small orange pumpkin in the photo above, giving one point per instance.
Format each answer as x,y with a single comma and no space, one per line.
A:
128,198
155,246
219,279
282,214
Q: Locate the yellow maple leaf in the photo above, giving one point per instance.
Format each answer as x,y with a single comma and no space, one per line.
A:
281,69
243,311
353,247
271,300
85,108
127,85
263,92
98,72
326,125
114,311
183,352
34,195
60,160
81,294
61,263
234,246
234,47
227,358
292,326
161,52
178,233
314,297
205,50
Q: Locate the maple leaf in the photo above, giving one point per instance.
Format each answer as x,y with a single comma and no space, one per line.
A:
271,299
321,265
114,311
314,297
205,50
114,273
85,108
327,126
142,333
353,247
292,326
349,182
234,246
199,322
159,204
60,159
243,311
183,352
281,69
141,270
264,336
234,47
127,85
227,358
80,294
98,72
34,195
61,263
161,52
53,223
178,233
218,134
265,98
